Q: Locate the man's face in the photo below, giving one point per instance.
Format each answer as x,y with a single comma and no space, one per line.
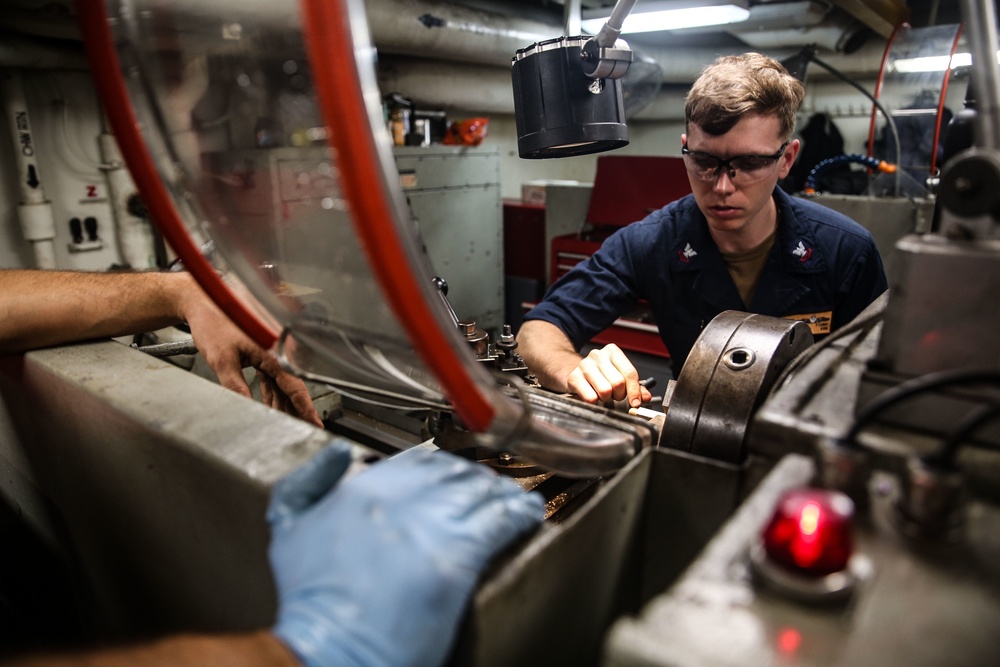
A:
740,202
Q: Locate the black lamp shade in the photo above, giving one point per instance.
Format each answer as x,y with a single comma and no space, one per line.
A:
559,111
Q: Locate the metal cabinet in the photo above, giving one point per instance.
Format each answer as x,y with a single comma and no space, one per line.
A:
454,194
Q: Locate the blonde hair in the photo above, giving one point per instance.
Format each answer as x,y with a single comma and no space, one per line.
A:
734,86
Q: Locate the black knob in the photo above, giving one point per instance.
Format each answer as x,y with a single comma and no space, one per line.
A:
76,230
90,224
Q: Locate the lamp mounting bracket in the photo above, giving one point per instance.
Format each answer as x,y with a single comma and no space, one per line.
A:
605,62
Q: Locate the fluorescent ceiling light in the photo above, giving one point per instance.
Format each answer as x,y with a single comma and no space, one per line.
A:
932,63
655,16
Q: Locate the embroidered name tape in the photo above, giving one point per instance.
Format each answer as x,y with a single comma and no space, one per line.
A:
819,323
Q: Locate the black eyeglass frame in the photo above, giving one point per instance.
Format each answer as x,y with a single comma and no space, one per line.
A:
730,170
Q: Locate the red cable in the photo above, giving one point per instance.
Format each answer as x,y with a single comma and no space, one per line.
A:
106,71
941,101
341,99
878,86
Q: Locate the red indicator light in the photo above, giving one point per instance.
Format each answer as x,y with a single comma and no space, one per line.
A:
789,640
810,532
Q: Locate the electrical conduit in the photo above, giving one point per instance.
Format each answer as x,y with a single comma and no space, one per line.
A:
34,211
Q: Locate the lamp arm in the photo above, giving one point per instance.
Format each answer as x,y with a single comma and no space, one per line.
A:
613,27
603,56
980,22
888,119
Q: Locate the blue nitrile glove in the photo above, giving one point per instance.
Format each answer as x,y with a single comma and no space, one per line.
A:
379,572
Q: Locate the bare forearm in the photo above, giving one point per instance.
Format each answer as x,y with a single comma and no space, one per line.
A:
243,650
548,353
43,308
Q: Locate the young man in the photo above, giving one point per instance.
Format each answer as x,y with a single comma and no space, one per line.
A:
736,243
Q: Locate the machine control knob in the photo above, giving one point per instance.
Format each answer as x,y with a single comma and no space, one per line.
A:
507,340
806,550
90,226
810,532
477,338
970,186
76,230
440,284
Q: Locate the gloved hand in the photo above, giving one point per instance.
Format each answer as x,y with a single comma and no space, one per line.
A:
379,572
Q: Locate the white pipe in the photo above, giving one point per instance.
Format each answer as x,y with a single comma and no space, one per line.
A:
35,214
135,235
572,17
431,84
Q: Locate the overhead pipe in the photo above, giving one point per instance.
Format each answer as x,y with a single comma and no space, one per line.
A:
446,31
453,32
430,83
433,30
50,21
34,212
837,33
440,31
22,52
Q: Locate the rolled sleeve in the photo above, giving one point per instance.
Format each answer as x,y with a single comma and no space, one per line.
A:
592,295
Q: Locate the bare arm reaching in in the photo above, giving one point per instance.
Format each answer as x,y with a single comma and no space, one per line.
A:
603,375
244,650
44,308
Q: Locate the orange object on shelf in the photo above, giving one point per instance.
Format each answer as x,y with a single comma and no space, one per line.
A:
468,132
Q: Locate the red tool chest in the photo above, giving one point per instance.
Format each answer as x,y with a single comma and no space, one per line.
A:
626,189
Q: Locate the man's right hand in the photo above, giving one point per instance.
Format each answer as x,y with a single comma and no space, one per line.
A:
606,375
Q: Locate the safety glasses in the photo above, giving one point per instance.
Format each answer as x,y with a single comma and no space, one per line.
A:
740,169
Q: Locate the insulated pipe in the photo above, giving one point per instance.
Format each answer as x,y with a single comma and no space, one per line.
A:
35,211
450,31
431,81
572,17
18,51
52,22
430,84
135,235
